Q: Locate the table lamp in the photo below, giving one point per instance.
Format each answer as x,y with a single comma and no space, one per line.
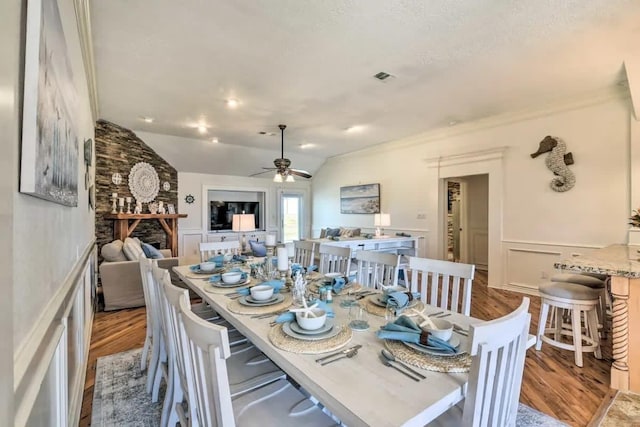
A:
381,220
242,223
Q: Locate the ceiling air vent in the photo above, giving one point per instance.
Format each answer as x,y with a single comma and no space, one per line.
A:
382,76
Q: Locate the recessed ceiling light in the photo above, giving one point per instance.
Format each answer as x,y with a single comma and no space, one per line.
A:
202,129
215,140
354,129
307,145
232,103
382,76
453,122
147,119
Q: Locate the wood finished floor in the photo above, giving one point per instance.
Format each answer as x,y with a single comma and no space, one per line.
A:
552,383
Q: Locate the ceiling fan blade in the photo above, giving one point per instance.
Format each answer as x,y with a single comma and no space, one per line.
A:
260,173
299,172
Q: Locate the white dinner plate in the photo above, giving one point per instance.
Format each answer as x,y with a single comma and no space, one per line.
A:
295,327
235,285
243,301
435,351
210,272
252,300
286,328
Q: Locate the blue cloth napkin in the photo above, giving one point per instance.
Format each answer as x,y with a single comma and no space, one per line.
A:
398,299
312,267
275,284
404,329
289,316
338,283
239,258
218,259
215,278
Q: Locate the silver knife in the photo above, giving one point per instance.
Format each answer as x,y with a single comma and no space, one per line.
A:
345,351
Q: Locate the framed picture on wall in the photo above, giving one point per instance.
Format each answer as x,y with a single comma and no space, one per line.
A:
50,143
360,199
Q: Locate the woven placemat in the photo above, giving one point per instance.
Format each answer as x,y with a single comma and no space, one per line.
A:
455,364
236,307
208,287
377,310
287,343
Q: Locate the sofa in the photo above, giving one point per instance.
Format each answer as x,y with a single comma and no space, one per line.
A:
120,272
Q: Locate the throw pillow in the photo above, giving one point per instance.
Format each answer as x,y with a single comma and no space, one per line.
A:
323,233
355,232
132,249
112,252
258,249
151,252
333,232
345,232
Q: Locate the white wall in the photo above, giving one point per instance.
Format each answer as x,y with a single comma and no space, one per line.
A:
594,213
192,229
44,239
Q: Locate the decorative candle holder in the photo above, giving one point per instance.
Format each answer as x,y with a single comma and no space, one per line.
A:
114,204
269,261
128,205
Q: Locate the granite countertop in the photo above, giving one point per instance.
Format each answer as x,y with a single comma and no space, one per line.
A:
614,260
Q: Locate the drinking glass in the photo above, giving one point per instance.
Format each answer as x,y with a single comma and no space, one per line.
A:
390,313
348,300
358,318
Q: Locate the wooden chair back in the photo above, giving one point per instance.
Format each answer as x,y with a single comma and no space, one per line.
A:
210,249
335,259
208,349
498,348
304,252
443,283
174,295
375,268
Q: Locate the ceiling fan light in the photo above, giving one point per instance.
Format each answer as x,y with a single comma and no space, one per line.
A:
290,179
277,177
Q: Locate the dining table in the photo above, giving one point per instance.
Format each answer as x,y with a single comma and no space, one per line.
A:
358,390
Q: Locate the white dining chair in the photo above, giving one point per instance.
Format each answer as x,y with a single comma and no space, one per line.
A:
304,252
443,283
498,348
248,367
278,403
153,341
377,268
334,259
210,249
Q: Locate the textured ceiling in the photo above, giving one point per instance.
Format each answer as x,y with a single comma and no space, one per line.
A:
310,65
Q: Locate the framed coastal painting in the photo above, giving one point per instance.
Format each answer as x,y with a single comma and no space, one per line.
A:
50,144
360,199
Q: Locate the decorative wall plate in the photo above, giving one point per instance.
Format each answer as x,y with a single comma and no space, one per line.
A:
143,182
189,199
116,178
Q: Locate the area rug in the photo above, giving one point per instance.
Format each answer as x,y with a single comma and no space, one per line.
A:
120,398
119,394
624,411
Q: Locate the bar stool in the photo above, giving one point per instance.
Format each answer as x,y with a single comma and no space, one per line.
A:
577,299
594,281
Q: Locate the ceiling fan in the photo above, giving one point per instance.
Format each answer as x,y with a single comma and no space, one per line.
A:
283,171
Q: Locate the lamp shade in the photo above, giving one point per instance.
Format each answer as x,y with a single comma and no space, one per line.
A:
243,222
382,220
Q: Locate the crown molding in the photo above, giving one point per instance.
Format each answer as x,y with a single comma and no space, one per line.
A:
83,21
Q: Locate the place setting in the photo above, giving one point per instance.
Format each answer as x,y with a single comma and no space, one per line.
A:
338,283
222,282
310,329
262,299
429,344
395,298
205,269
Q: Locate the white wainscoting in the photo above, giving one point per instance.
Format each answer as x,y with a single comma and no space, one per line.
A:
528,264
50,368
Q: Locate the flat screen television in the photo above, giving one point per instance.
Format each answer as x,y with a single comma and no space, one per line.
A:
221,214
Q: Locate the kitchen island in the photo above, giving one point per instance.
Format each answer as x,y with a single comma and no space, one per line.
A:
622,263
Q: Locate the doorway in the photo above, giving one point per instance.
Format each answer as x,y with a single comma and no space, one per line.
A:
467,220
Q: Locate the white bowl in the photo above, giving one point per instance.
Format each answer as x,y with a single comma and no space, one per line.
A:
231,277
443,330
311,323
261,292
208,266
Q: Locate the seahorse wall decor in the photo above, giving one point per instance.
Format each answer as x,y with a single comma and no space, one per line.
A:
557,162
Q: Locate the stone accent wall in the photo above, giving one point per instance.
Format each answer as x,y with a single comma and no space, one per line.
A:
117,150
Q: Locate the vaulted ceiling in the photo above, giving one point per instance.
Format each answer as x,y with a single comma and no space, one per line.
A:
311,65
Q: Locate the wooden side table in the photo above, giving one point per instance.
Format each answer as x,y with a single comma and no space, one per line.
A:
122,227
